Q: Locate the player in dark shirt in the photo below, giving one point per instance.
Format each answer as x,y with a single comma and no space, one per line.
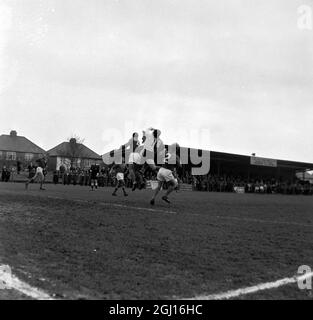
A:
120,170
134,159
94,173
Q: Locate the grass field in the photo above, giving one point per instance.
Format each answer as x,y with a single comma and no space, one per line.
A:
76,244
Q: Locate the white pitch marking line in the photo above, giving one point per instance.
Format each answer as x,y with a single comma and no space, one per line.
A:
115,205
265,221
137,208
12,282
194,214
260,287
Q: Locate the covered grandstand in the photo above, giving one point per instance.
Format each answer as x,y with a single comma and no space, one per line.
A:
252,167
236,173
247,167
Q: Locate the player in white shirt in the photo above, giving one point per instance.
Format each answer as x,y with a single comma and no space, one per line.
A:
153,146
148,139
39,174
167,174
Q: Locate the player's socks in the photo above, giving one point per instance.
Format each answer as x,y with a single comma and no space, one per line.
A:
152,202
165,198
134,186
26,185
42,188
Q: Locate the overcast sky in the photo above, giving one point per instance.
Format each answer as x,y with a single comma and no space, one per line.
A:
227,75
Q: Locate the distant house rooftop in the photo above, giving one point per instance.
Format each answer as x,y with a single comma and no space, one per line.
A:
73,149
14,143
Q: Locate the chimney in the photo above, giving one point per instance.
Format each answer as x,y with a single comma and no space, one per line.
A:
13,133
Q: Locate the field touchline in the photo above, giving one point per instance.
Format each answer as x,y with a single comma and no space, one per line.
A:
137,208
253,289
11,282
115,205
265,221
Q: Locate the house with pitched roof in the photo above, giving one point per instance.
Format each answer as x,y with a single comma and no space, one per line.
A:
72,154
14,148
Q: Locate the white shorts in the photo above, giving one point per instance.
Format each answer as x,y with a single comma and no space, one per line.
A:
120,176
165,175
39,173
150,161
39,170
134,157
149,156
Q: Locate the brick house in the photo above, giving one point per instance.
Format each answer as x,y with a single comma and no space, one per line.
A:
72,154
14,149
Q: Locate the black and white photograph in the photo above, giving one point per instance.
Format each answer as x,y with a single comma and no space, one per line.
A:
156,150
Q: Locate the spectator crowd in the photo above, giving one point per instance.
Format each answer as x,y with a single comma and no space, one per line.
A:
5,174
82,177
224,183
208,183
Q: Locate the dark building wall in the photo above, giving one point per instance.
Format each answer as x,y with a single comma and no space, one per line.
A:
52,163
22,157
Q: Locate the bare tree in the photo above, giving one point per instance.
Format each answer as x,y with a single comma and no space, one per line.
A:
77,138
75,149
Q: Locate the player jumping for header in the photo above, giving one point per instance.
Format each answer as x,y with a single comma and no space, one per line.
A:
134,160
153,147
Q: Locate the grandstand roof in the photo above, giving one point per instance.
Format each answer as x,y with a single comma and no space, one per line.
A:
14,143
246,160
250,161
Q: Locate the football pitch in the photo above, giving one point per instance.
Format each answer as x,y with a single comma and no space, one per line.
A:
70,243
